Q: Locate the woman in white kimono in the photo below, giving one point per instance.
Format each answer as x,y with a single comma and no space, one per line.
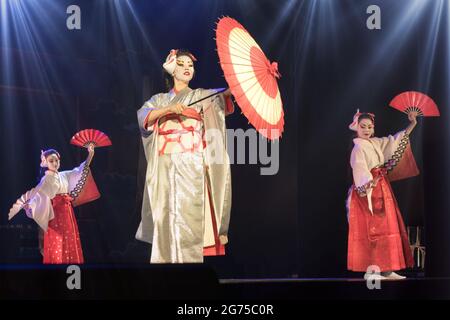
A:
187,195
377,234
51,203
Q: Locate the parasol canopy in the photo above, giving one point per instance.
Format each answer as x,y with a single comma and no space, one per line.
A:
251,76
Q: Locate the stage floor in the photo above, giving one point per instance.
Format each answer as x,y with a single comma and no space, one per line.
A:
199,282
336,288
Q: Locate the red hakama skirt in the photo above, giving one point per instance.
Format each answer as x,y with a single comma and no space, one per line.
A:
380,238
62,243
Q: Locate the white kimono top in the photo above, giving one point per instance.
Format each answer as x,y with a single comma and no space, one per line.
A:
51,184
370,153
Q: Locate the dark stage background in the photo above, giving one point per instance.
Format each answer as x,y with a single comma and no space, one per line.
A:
62,81
345,66
55,82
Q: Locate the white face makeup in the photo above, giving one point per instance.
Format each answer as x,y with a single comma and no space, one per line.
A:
53,162
366,129
184,70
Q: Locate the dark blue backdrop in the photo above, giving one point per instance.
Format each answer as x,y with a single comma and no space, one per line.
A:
55,81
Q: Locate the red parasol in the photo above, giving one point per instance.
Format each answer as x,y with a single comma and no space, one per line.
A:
251,77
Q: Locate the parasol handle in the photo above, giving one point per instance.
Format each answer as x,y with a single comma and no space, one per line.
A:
211,95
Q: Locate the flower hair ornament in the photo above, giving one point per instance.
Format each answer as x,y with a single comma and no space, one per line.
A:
354,125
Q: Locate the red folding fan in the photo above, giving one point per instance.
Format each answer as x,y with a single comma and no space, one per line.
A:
85,137
415,101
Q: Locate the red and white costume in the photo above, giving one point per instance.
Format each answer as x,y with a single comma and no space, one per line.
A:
377,234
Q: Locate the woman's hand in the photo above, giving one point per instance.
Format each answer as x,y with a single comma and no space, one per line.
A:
161,112
227,93
28,210
412,117
177,108
375,181
91,148
413,121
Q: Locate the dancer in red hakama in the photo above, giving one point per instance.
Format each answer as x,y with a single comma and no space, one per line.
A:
377,234
51,202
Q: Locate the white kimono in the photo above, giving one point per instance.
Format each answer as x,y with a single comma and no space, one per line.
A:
176,211
51,184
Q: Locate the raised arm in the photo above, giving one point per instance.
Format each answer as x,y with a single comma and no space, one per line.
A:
91,151
413,122
158,113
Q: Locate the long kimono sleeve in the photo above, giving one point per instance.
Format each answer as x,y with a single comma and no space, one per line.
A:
216,158
40,206
73,176
406,166
144,112
150,143
389,144
361,173
89,192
